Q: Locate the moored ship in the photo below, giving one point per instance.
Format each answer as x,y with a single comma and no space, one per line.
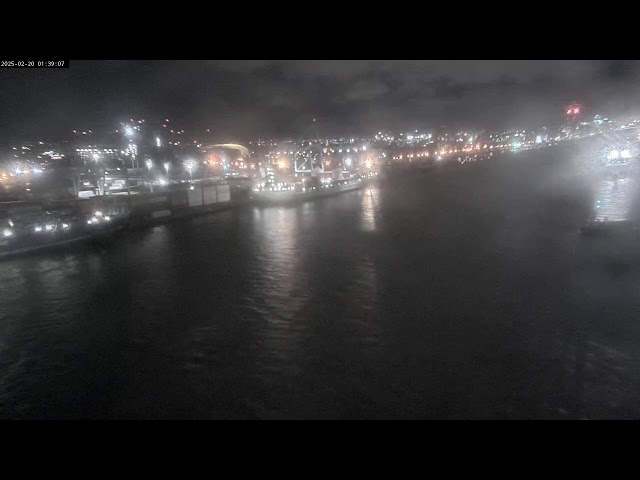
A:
271,193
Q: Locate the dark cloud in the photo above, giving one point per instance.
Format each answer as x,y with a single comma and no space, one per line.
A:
367,90
268,97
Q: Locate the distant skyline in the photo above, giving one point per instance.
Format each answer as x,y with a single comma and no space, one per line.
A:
244,99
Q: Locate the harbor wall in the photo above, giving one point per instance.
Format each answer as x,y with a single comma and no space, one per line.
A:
156,207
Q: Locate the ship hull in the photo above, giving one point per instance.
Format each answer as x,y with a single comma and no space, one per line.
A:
288,196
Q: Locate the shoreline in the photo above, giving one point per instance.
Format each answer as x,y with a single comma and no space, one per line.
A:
149,213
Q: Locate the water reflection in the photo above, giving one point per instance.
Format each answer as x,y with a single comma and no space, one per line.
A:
370,204
277,249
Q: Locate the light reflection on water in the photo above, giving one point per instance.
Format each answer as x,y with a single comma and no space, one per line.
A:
370,199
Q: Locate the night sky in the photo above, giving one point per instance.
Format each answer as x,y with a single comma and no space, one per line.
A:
245,99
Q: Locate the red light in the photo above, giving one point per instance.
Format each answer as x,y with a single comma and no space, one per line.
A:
576,110
75,131
166,120
569,112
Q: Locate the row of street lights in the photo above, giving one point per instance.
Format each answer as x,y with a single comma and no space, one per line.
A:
190,165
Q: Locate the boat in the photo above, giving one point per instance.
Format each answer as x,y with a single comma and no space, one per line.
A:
278,193
27,227
619,164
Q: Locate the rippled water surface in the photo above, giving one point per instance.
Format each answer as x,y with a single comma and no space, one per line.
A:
465,293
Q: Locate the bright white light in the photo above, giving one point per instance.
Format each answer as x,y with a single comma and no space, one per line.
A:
625,154
613,154
128,131
7,232
158,142
38,229
162,181
107,218
98,213
167,166
65,225
48,228
190,165
149,164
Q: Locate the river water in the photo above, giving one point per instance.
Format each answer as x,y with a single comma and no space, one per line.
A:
460,293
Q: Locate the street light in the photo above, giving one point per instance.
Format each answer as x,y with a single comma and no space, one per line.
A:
190,165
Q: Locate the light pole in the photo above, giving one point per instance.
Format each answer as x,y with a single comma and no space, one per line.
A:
190,165
129,132
149,163
101,180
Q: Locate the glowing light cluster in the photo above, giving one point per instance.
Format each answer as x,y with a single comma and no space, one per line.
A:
190,165
49,227
98,217
275,187
616,154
